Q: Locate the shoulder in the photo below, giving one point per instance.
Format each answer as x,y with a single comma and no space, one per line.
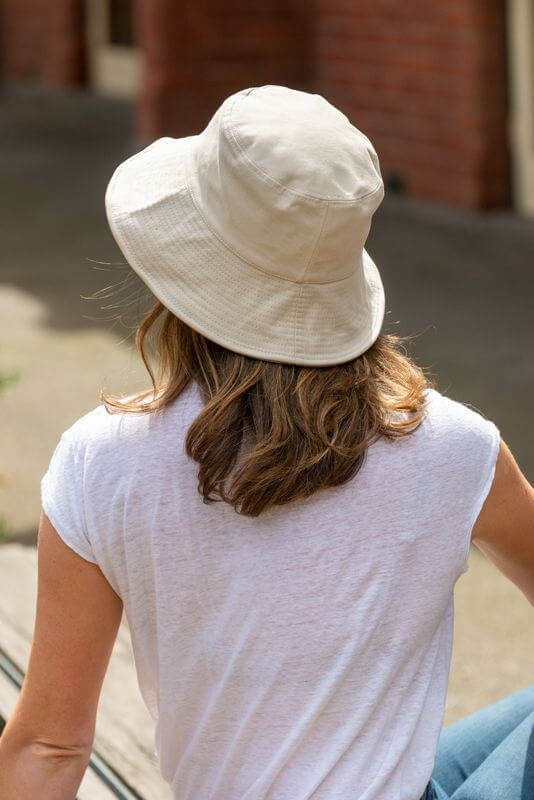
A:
96,424
457,431
101,430
445,414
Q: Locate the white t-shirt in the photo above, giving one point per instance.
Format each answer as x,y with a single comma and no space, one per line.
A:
300,654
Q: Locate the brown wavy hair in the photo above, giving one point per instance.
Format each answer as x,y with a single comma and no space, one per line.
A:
307,428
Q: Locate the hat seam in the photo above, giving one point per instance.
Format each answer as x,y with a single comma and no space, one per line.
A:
245,260
223,337
298,318
121,216
316,245
148,206
131,257
296,324
316,198
139,268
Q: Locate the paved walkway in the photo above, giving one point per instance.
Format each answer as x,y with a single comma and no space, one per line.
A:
463,282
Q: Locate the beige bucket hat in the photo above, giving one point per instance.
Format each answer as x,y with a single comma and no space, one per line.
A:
253,231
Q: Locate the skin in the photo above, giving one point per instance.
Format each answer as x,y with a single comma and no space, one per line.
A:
504,529
46,744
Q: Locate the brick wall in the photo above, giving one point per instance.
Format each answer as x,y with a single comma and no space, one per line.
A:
43,40
427,83
20,37
211,49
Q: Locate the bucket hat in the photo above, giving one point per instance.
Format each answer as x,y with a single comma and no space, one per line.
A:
252,232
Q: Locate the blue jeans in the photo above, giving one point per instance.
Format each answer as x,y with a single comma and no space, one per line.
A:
488,755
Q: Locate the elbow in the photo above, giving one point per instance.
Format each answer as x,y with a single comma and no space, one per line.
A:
59,753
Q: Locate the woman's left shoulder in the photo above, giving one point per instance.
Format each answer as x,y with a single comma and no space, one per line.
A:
103,427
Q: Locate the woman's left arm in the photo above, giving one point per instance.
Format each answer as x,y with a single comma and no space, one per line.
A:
46,743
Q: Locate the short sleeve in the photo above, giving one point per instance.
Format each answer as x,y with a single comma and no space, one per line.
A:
489,444
62,495
462,450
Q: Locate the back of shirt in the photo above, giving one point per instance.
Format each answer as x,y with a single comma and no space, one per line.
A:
300,654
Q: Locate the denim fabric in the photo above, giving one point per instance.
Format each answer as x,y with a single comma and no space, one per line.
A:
430,792
488,755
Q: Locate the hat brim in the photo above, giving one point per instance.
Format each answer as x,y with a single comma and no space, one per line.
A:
204,282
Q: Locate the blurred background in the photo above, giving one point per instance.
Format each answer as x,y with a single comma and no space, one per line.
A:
445,91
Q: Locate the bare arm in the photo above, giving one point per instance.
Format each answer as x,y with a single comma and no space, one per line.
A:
504,530
46,744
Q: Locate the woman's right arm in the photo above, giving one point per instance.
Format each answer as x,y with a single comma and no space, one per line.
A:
504,529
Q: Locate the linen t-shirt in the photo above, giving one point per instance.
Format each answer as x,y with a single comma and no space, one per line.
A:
300,654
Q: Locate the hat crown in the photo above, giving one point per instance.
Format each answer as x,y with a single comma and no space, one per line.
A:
253,231
300,141
287,182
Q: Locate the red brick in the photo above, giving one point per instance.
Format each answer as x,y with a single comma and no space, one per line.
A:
425,81
43,41
221,48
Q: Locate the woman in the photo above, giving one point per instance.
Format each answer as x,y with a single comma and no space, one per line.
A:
284,515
